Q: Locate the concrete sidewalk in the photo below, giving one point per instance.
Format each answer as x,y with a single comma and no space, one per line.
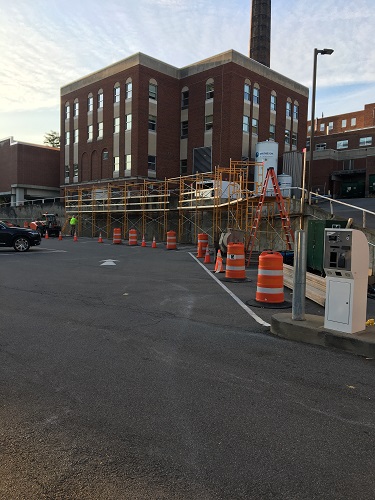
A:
312,331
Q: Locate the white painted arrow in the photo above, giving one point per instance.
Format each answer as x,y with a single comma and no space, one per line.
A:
108,262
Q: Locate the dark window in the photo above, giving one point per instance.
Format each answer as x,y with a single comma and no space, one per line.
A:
184,129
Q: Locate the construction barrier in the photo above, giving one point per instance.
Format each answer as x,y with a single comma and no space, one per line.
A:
117,236
153,244
202,244
171,240
235,265
143,244
100,239
219,268
270,283
207,258
133,237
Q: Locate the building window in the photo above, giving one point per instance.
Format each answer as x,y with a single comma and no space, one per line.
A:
100,99
90,133
184,99
321,146
322,127
254,126
116,166
116,94
75,172
342,144
128,90
105,154
343,123
67,138
76,108
90,103
294,139
247,92
76,135
183,167
246,124
153,91
184,129
100,130
116,125
128,121
289,109
295,112
309,129
272,132
152,122
365,141
67,172
273,103
67,111
287,137
209,120
209,90
255,95
128,162
152,162
353,122
330,126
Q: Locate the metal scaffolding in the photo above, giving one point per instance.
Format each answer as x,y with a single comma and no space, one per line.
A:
210,203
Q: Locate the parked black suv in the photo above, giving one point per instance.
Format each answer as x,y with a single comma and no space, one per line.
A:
21,239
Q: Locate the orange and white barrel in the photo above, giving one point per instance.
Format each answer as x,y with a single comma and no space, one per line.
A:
133,237
116,236
270,282
171,240
235,265
202,244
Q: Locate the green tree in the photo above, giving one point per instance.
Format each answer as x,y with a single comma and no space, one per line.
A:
52,139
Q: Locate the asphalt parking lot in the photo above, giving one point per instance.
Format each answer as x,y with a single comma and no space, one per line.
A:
132,373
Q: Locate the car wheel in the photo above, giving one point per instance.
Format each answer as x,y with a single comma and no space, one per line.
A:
21,244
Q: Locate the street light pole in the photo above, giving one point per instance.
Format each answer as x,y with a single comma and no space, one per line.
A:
316,52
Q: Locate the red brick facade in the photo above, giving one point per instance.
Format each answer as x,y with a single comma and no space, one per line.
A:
344,157
228,72
30,168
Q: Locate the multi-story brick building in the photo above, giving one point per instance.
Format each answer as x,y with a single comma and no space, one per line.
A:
344,153
141,118
28,172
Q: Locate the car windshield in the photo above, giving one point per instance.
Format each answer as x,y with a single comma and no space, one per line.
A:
7,224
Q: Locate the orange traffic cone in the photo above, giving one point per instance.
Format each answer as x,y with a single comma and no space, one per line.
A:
219,268
207,258
60,235
46,235
143,241
75,236
100,239
153,243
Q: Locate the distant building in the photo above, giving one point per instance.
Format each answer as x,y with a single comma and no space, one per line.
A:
344,157
28,171
141,118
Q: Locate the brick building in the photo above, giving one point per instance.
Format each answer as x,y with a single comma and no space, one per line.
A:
141,118
28,171
344,157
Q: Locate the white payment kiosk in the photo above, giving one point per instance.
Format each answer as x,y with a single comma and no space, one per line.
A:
346,263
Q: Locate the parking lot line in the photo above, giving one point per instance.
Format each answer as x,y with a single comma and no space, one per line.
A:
239,302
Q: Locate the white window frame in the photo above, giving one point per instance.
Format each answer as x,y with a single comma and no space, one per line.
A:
342,144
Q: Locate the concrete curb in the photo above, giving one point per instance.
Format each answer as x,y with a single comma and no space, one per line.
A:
312,331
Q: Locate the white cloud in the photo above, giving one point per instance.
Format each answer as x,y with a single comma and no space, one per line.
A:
46,44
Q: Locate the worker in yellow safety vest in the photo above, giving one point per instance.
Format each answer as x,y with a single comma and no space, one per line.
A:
73,222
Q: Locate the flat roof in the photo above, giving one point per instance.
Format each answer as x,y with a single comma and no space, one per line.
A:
180,73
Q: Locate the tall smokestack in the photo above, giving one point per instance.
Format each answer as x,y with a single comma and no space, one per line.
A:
260,32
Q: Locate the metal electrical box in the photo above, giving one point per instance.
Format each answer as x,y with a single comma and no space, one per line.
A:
315,241
346,263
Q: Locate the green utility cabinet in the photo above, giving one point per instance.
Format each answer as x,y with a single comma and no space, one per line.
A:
315,241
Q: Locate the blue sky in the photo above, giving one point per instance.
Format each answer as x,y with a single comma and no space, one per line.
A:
46,44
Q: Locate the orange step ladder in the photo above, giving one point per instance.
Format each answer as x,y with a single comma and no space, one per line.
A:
285,220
